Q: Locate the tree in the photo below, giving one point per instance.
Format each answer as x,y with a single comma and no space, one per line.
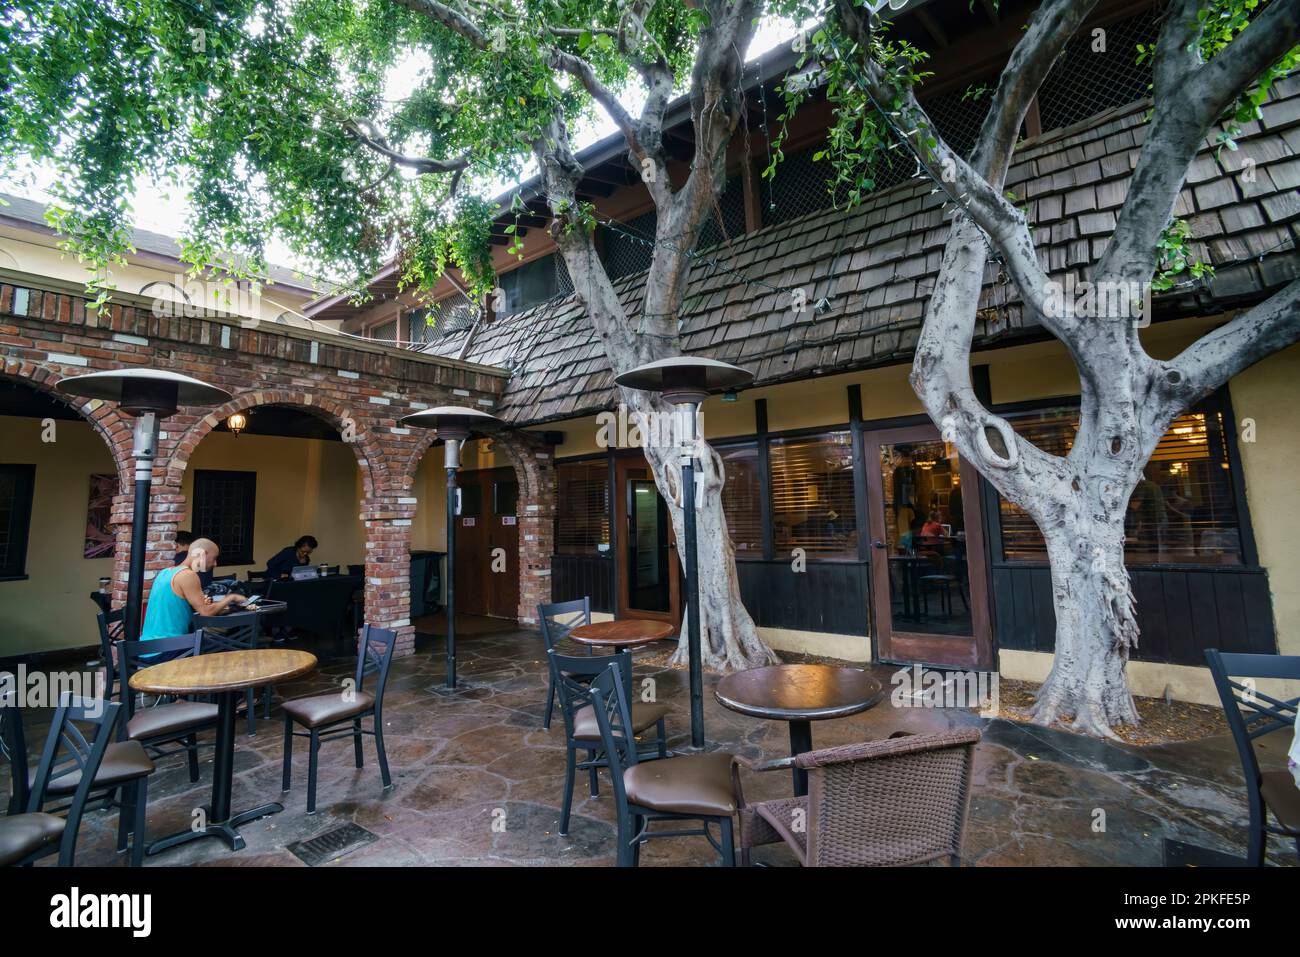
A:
1212,66
274,119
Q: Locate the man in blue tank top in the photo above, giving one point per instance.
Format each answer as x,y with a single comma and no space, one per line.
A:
177,594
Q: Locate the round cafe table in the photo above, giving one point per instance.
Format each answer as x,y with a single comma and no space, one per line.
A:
224,674
622,635
799,694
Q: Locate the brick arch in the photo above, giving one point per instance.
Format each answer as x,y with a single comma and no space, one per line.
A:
112,426
535,471
369,455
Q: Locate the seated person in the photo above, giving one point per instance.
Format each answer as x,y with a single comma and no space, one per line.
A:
932,528
177,596
184,541
286,559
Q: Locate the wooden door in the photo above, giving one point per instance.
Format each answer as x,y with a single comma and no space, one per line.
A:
487,544
649,577
928,581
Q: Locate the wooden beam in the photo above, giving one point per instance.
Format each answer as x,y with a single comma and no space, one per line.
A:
932,27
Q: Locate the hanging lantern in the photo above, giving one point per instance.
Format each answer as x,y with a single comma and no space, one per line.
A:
237,423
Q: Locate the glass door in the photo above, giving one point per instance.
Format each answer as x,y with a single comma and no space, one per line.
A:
927,556
648,586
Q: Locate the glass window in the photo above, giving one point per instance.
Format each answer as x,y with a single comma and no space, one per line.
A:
1182,510
812,496
16,485
582,520
741,499
224,509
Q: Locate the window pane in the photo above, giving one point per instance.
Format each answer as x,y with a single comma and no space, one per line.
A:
224,507
1183,508
741,502
16,485
812,496
582,508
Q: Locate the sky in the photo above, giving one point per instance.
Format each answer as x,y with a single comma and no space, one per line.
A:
163,208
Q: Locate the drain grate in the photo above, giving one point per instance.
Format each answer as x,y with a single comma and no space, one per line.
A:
325,847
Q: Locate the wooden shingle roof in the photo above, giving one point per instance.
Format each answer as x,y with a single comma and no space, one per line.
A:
875,265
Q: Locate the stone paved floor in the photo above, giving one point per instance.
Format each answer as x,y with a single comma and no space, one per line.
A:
462,760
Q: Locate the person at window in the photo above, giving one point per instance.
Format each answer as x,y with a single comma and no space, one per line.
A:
177,594
932,527
283,562
184,542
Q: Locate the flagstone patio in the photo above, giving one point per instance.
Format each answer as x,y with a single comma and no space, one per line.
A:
478,782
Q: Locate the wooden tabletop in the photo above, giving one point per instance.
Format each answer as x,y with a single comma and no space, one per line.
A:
623,633
799,692
223,671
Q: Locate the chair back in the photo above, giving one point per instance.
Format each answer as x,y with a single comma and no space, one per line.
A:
111,625
135,655
570,673
1250,712
67,748
13,742
894,802
613,716
237,631
573,613
375,656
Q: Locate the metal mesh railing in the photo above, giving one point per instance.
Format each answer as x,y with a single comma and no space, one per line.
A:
445,317
1098,71
732,206
624,255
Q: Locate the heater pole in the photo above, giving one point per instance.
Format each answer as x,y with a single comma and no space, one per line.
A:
451,455
145,446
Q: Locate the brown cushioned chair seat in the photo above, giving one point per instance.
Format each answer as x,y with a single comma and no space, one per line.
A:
327,708
694,784
23,834
643,716
1282,797
123,761
170,718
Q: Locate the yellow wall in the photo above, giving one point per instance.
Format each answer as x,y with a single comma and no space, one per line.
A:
304,487
52,608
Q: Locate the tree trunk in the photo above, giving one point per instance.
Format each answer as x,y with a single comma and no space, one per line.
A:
1095,625
729,640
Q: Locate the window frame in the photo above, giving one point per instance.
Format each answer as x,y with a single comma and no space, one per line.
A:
248,521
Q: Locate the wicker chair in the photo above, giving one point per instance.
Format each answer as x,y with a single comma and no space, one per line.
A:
880,803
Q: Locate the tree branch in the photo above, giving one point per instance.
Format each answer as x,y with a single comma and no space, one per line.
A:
367,133
1191,96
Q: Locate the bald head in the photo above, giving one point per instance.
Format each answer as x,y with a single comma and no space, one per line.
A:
202,555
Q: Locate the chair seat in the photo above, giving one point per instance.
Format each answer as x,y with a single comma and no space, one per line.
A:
327,708
170,719
123,761
644,716
693,784
1282,797
24,834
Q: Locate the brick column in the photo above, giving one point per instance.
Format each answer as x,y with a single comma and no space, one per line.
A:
535,467
166,506
387,519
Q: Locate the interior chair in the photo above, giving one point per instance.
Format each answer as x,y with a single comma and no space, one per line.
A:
1252,714
338,715
581,732
900,801
695,787
169,720
33,834
13,745
237,631
124,768
557,620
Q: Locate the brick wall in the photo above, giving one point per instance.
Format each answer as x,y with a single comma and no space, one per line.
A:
360,389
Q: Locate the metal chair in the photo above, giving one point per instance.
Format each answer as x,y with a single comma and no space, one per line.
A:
554,631
13,744
237,631
111,625
1252,714
895,802
695,787
123,767
325,716
167,721
33,834
580,728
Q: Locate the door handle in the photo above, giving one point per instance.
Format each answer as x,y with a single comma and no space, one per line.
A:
878,544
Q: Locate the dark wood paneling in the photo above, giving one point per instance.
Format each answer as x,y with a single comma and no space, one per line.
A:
576,576
827,596
1181,611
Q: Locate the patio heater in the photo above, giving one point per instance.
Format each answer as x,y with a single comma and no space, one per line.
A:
685,382
148,396
453,424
